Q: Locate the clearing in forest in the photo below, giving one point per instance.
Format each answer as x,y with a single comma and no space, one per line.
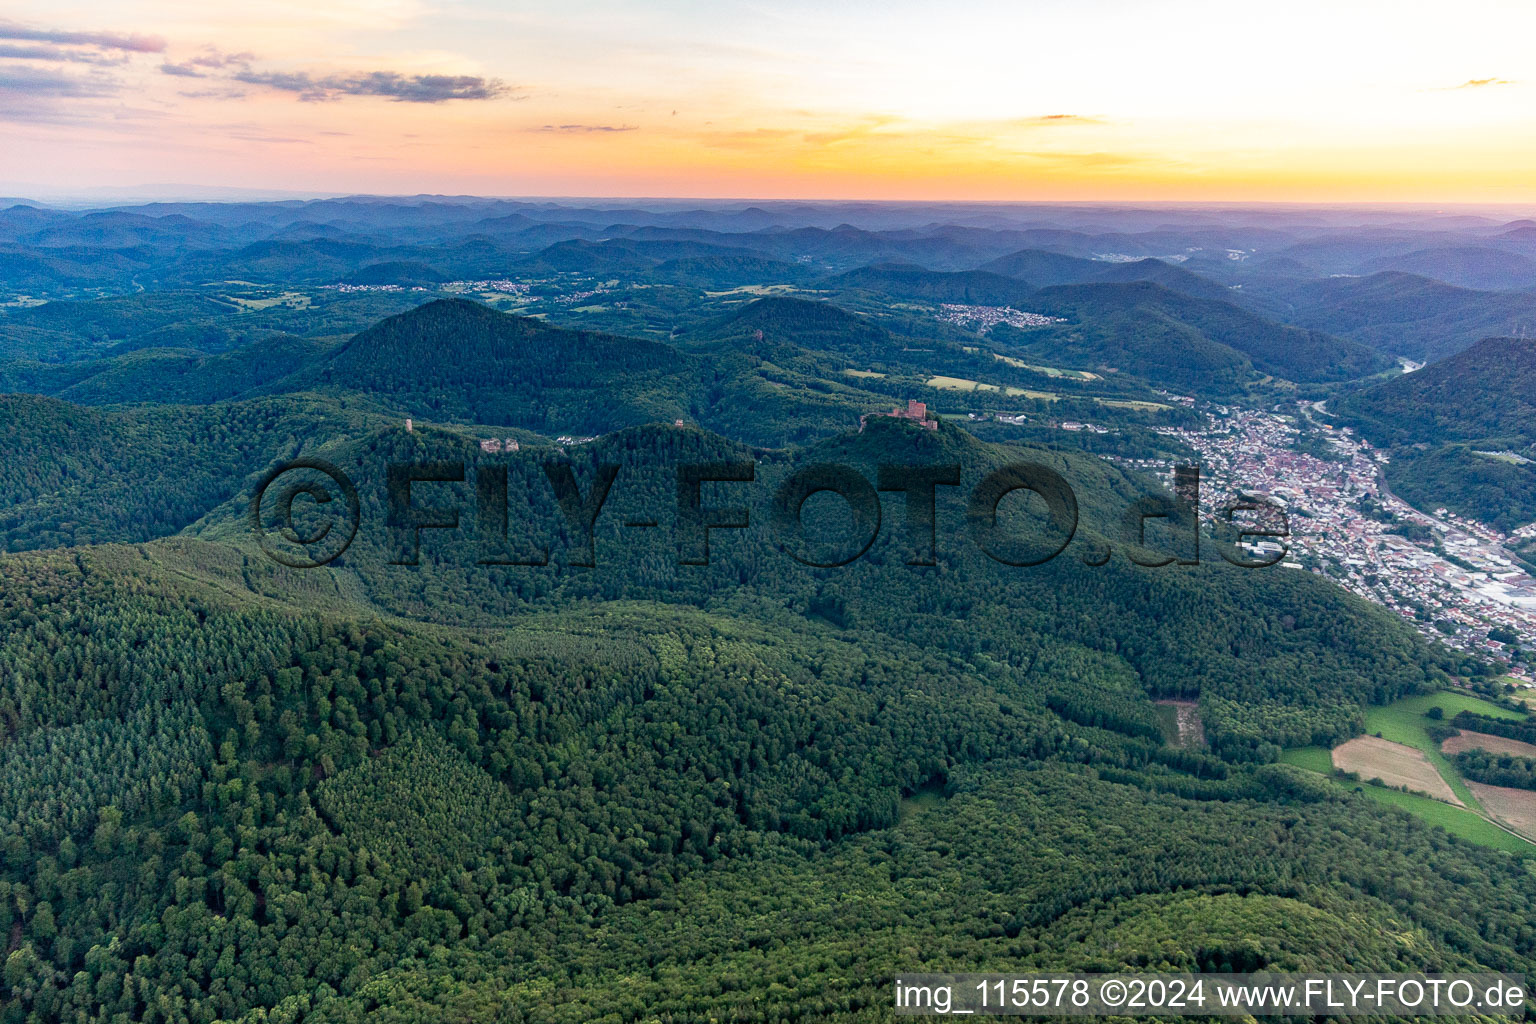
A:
1181,722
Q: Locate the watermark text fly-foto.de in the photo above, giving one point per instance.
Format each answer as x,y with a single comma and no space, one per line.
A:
327,503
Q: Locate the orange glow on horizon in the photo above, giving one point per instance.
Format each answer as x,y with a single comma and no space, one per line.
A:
1380,103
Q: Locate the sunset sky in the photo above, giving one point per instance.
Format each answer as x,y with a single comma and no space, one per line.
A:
1076,99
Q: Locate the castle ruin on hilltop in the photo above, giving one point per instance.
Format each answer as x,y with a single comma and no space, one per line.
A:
915,411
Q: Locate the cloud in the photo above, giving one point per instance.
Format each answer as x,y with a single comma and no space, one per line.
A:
102,40
256,133
35,82
870,127
29,93
213,94
209,60
1478,83
388,84
1098,160
58,54
1050,120
576,128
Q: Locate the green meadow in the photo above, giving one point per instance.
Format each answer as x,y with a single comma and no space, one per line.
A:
1403,722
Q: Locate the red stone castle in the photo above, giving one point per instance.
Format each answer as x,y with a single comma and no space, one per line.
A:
915,411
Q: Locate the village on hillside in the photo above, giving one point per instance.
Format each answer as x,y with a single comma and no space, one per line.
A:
1448,575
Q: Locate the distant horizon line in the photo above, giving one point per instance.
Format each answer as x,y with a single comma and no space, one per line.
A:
145,194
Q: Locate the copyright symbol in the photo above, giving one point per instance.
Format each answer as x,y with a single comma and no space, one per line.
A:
320,540
1112,993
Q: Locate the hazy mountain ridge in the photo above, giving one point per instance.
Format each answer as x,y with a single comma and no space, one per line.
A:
1407,315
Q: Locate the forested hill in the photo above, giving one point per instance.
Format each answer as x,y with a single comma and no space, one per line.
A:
163,375
1174,278
407,273
1044,267
70,331
1146,318
233,791
1406,315
775,370
772,323
670,259
1458,431
1193,343
768,374
140,474
83,475
219,807
460,360
1049,268
1487,391
1238,638
974,287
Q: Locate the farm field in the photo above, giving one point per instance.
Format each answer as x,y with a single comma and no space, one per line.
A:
966,384
1402,738
1458,821
1395,764
757,289
1492,744
293,300
1514,807
944,383
1403,722
1049,371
